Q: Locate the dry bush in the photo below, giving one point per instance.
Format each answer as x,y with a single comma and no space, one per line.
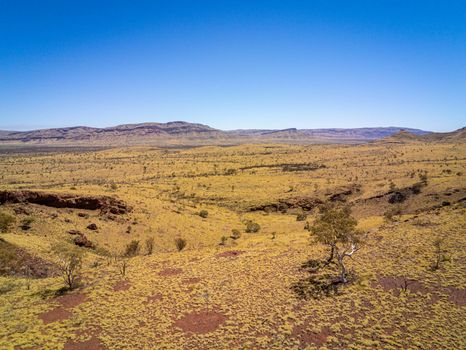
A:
150,245
180,244
132,248
69,261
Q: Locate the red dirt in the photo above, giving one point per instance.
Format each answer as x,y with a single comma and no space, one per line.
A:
54,315
170,272
395,283
457,296
91,344
191,280
121,285
230,254
201,322
307,338
72,300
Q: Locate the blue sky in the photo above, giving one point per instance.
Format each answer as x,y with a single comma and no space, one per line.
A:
233,64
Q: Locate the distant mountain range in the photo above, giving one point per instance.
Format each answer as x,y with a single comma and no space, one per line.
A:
183,133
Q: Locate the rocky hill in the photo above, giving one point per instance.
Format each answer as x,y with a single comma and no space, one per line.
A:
179,132
406,136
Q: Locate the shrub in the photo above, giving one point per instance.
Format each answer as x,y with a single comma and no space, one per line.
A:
204,213
252,227
150,245
223,240
6,221
132,248
122,266
235,234
26,223
416,188
180,244
301,217
392,212
423,178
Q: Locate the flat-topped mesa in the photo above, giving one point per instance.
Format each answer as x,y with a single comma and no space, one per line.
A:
105,204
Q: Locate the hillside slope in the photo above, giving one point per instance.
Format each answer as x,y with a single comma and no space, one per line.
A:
189,133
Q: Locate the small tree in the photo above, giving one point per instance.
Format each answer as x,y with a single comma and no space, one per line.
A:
180,244
150,245
69,262
336,228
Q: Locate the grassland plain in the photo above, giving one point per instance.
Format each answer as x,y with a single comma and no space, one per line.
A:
250,292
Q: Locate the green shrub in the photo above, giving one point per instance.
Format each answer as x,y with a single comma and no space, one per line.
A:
235,234
6,221
252,227
204,213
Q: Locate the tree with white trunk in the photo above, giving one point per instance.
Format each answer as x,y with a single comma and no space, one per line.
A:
336,228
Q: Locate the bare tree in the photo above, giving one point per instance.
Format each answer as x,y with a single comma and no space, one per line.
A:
69,261
439,252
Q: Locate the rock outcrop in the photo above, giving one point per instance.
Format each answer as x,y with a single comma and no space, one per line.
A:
105,204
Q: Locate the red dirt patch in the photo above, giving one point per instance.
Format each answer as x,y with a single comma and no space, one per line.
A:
390,283
121,285
91,344
457,296
54,315
191,280
230,254
72,300
306,337
170,272
201,322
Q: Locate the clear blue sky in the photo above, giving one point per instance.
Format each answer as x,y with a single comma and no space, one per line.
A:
233,64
